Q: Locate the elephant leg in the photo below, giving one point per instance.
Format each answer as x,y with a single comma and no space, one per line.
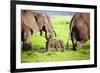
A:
48,46
62,46
58,46
74,42
49,49
27,45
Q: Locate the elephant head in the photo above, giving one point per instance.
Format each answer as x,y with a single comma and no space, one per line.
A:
44,23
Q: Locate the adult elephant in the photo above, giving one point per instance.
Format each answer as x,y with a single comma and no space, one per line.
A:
80,29
34,22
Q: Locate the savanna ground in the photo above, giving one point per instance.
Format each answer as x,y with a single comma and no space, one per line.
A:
39,54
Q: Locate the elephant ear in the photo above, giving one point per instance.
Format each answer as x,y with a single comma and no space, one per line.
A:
40,18
30,21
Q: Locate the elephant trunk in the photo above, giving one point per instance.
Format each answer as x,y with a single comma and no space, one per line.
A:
46,35
55,33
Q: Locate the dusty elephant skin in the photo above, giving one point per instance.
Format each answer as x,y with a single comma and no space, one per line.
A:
80,29
56,44
34,22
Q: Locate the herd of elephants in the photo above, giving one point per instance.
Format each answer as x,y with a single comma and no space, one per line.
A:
40,22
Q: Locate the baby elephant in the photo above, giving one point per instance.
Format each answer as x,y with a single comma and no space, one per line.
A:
55,44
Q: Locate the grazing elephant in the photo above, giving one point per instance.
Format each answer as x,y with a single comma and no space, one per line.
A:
56,44
34,22
80,29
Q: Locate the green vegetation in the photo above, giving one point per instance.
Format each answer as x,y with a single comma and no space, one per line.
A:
39,54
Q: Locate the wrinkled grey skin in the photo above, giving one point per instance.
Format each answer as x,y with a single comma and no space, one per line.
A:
34,22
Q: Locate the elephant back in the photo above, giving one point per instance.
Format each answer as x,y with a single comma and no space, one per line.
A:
29,20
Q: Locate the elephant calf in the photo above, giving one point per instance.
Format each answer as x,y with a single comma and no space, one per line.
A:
55,44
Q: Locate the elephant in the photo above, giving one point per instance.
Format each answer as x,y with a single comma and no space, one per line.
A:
34,22
79,29
54,44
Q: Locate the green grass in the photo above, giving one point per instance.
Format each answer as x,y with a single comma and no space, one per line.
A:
39,54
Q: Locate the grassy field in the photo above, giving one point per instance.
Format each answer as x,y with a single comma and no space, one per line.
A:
39,54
